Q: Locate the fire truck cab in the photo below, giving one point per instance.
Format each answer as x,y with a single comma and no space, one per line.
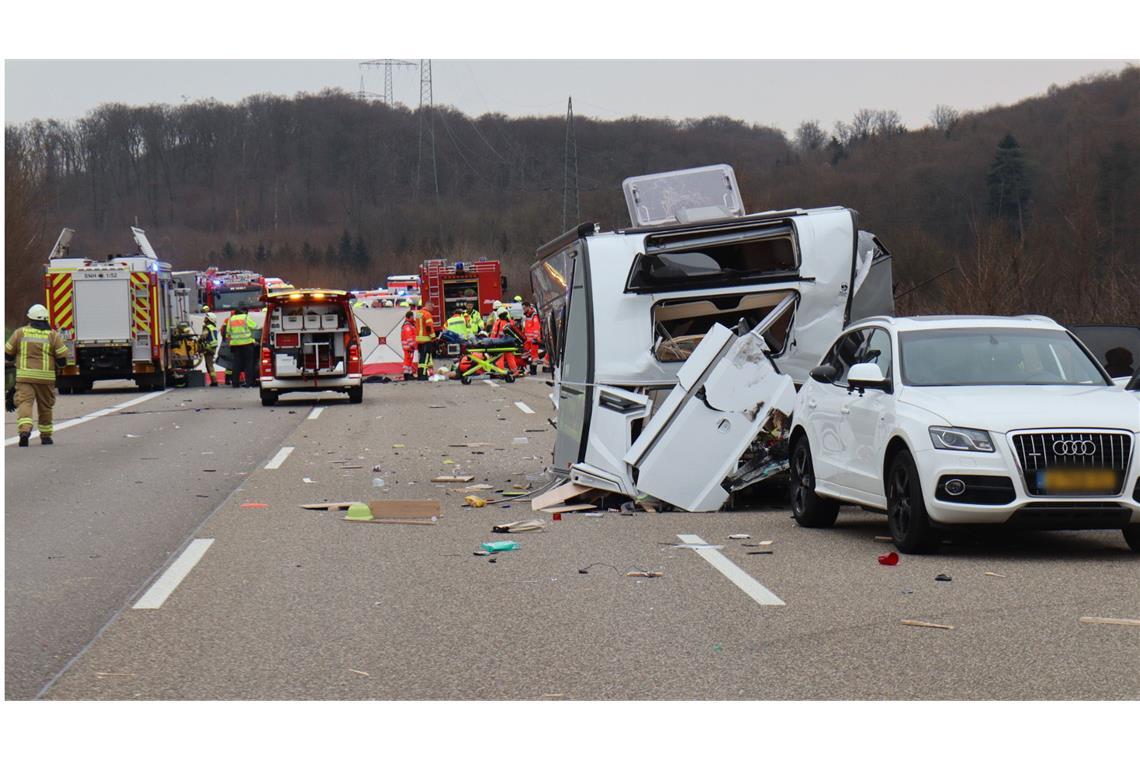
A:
446,285
119,317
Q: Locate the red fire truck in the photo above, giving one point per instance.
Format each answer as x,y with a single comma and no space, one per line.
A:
225,290
447,284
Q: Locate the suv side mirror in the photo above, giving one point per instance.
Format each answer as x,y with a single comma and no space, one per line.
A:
824,373
364,331
866,375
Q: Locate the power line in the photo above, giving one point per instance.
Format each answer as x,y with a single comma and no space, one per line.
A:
570,161
426,134
387,64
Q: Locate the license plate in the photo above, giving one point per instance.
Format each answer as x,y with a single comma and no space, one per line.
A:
1079,481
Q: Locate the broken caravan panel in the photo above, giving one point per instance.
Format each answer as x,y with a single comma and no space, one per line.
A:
757,261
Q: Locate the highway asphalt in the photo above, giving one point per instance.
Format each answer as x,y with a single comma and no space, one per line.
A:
287,603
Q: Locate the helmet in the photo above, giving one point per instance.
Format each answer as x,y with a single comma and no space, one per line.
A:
38,312
405,304
518,299
496,306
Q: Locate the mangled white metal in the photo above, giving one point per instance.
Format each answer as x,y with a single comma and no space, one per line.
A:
603,434
726,393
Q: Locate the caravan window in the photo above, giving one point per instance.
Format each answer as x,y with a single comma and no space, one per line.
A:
680,261
679,325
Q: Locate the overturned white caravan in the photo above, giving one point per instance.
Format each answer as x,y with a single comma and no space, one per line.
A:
678,342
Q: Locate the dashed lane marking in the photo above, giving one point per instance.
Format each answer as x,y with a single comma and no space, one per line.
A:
168,581
525,409
315,413
279,458
730,570
93,415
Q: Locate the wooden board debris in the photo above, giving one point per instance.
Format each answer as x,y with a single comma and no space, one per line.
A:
1110,621
556,496
924,624
405,509
452,478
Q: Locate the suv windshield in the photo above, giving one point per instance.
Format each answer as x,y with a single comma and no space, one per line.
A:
999,356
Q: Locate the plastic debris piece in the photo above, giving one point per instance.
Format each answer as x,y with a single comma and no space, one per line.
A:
993,575
398,446
481,553
593,514
475,501
308,480
924,624
890,558
521,440
518,526
350,670
358,511
1110,621
254,505
449,461
943,577
501,546
378,482
644,574
557,517
762,551
738,536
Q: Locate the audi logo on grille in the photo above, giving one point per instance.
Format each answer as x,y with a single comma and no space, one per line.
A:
1085,448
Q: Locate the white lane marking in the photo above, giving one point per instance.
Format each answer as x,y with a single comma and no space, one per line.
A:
93,415
279,458
491,383
525,409
315,413
730,570
168,581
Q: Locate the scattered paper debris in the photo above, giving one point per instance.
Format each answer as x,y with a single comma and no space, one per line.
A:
1110,621
518,526
924,624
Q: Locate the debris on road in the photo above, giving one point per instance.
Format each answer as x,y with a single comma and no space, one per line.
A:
697,546
329,505
736,536
518,526
644,574
943,577
452,478
476,502
308,480
480,487
1110,621
254,505
358,672
556,498
885,539
765,542
890,558
395,512
924,624
500,546
762,551
993,575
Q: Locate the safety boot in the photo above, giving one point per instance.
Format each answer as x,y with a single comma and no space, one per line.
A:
24,439
46,440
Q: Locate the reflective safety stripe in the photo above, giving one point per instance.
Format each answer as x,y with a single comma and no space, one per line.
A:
46,429
239,331
24,421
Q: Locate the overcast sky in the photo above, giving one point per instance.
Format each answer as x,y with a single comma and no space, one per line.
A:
777,93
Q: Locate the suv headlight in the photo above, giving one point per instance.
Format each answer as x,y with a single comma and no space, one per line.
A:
961,439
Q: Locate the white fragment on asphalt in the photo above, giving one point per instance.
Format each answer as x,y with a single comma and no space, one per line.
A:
524,408
730,570
358,672
315,413
1110,621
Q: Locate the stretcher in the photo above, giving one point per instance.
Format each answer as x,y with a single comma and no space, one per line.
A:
490,357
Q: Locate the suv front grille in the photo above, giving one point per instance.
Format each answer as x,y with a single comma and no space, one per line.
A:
1072,450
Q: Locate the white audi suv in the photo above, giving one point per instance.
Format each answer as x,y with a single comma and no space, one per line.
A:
954,421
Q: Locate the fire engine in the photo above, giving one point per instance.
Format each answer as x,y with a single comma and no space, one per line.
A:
123,318
446,285
226,290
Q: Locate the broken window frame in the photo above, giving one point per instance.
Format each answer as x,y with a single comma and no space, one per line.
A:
659,331
701,241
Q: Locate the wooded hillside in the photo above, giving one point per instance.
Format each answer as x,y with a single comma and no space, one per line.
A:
1035,206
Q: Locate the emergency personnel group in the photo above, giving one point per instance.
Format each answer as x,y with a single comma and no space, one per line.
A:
36,351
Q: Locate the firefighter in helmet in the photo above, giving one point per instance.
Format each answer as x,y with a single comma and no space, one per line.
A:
208,340
408,341
36,350
238,330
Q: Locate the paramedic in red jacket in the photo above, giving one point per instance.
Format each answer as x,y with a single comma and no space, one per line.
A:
408,342
532,330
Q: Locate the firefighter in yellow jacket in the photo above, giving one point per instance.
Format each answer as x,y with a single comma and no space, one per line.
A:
37,350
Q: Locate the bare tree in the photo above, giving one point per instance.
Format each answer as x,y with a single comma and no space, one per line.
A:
810,137
943,118
887,124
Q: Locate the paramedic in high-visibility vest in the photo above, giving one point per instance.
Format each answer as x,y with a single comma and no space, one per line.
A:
474,320
238,330
425,338
532,331
408,342
457,323
37,350
208,342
